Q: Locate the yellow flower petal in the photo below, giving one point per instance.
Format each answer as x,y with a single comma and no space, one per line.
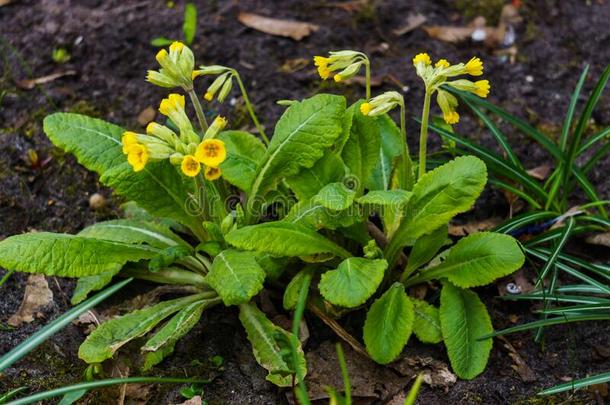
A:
161,55
482,88
128,139
211,152
422,58
190,166
321,61
176,46
208,96
337,78
137,156
365,108
474,67
212,173
324,72
451,117
442,63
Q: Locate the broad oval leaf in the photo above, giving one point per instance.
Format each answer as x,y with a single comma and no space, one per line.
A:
353,282
335,196
134,231
464,319
110,336
438,196
163,342
478,259
302,135
316,216
388,324
390,149
293,289
283,239
244,154
425,248
58,254
271,346
87,284
236,276
427,324
307,183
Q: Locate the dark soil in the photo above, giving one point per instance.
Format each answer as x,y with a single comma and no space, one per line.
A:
110,52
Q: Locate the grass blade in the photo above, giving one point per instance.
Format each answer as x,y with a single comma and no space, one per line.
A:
601,135
55,326
577,309
524,219
548,322
574,385
567,124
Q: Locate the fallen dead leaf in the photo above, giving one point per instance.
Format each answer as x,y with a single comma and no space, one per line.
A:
435,372
355,6
294,65
540,172
413,22
37,296
196,400
519,365
602,239
29,84
5,2
146,115
296,30
475,226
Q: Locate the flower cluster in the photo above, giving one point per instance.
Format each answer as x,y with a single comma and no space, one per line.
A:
176,67
437,75
381,104
347,63
222,85
185,149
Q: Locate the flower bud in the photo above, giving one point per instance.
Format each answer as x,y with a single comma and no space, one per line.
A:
225,90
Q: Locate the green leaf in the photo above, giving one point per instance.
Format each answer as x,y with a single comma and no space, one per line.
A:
427,324
244,155
283,239
396,199
353,282
159,189
314,215
163,342
236,276
58,254
95,143
189,27
478,259
464,319
302,135
161,42
134,232
271,346
390,149
388,324
425,248
335,196
309,181
85,285
169,256
104,341
438,196
293,289
361,150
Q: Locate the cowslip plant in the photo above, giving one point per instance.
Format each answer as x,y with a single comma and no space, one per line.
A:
330,202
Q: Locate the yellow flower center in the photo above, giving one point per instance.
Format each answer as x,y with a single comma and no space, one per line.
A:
212,173
211,152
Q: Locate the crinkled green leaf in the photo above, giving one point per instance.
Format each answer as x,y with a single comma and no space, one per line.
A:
426,247
302,135
85,285
427,324
309,181
169,256
396,199
244,154
478,259
361,150
283,239
438,196
335,196
388,324
291,293
110,336
58,254
390,149
271,346
134,231
316,216
353,282
464,319
163,342
236,276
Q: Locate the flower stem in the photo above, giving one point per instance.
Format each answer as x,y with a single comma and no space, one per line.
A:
423,135
249,107
367,73
199,111
406,177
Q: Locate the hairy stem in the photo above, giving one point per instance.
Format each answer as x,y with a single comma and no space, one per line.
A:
250,108
423,134
199,111
406,176
367,70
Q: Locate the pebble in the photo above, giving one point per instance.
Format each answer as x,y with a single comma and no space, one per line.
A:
97,201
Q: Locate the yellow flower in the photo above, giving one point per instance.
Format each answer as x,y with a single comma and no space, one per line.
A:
451,117
365,108
128,139
211,152
208,96
482,88
442,63
137,156
321,61
161,55
474,67
171,103
212,173
422,58
190,166
176,46
196,73
324,72
337,78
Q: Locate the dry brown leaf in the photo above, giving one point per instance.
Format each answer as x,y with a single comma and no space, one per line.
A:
449,33
413,22
540,172
294,65
435,372
355,6
37,295
519,365
473,227
146,115
5,2
296,30
29,84
602,239
196,400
